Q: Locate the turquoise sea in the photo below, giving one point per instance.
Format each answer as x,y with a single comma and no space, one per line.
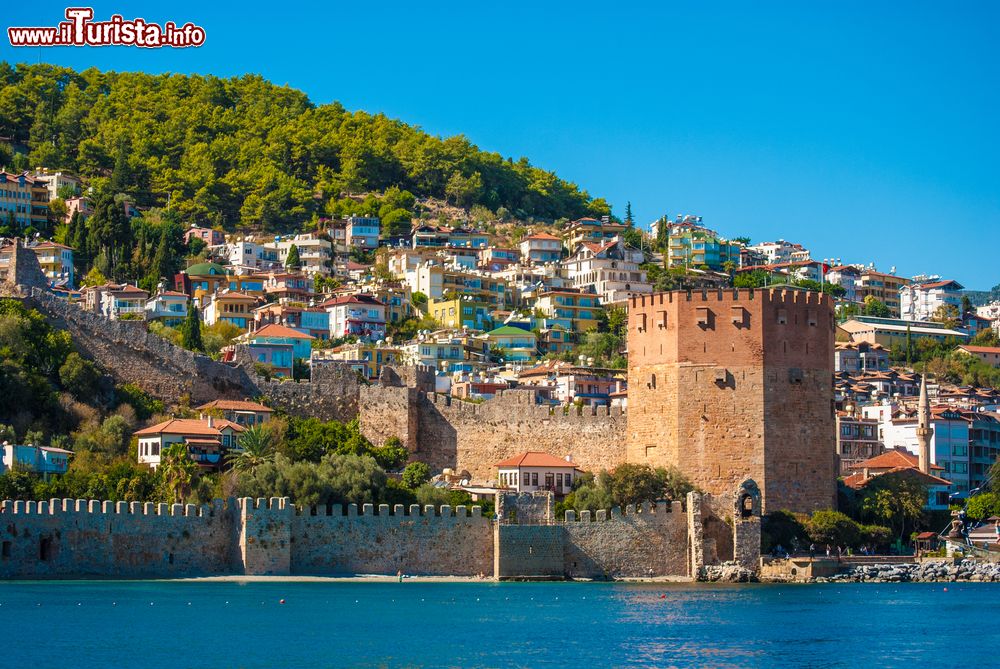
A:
160,625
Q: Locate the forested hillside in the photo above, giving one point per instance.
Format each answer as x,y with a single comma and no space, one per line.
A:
243,151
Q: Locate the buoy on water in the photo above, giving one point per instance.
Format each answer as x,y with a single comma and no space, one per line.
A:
281,601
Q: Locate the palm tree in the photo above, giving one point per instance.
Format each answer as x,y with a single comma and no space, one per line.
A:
179,472
255,450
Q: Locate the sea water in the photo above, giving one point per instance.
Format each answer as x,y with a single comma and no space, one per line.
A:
160,625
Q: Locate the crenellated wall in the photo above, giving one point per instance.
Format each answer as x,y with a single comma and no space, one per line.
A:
81,538
65,538
428,541
647,540
474,437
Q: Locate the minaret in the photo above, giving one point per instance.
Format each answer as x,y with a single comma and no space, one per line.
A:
924,429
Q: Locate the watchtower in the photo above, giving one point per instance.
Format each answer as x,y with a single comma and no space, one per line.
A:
735,384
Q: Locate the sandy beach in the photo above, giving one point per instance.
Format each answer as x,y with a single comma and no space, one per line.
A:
383,578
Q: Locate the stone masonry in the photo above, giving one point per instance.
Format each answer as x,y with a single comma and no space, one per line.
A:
733,384
65,538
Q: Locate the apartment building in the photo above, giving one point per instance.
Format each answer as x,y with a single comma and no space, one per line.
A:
921,301
24,199
883,287
609,270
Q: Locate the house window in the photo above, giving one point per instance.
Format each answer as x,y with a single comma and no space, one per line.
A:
534,479
527,478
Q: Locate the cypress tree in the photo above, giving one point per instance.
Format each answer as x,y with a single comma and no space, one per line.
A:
162,261
191,330
292,261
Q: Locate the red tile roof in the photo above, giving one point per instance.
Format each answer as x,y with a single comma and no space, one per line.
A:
939,284
543,235
890,460
280,331
534,459
980,349
359,298
188,427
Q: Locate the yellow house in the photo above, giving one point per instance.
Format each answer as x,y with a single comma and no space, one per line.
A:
463,311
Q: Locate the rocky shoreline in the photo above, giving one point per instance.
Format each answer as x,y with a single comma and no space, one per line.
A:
932,571
924,572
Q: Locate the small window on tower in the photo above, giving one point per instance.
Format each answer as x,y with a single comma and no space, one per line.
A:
782,316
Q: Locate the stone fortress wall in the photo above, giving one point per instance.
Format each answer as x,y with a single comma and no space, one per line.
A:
446,432
440,430
65,538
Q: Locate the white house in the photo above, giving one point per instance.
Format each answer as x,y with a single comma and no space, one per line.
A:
116,300
610,270
534,470
541,248
315,253
360,315
207,440
168,307
919,301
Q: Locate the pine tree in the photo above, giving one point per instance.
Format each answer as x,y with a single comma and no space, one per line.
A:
292,261
191,329
629,221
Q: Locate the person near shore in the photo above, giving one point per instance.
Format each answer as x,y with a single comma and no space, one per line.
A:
996,528
399,575
828,550
812,551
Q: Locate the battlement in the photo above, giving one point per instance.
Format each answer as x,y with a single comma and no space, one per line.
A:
398,511
525,404
661,511
784,296
57,506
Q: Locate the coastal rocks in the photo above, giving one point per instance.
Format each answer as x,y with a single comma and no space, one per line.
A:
727,572
925,572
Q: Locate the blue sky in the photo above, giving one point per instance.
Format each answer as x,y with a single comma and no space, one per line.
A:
866,132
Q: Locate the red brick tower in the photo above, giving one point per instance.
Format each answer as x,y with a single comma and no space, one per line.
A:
736,384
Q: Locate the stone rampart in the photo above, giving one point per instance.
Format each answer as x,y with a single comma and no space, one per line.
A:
646,540
81,538
132,354
473,437
66,538
445,542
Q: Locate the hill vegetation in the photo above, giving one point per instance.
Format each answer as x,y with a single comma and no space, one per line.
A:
244,152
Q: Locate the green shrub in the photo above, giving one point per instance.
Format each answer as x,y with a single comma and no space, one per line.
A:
834,528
